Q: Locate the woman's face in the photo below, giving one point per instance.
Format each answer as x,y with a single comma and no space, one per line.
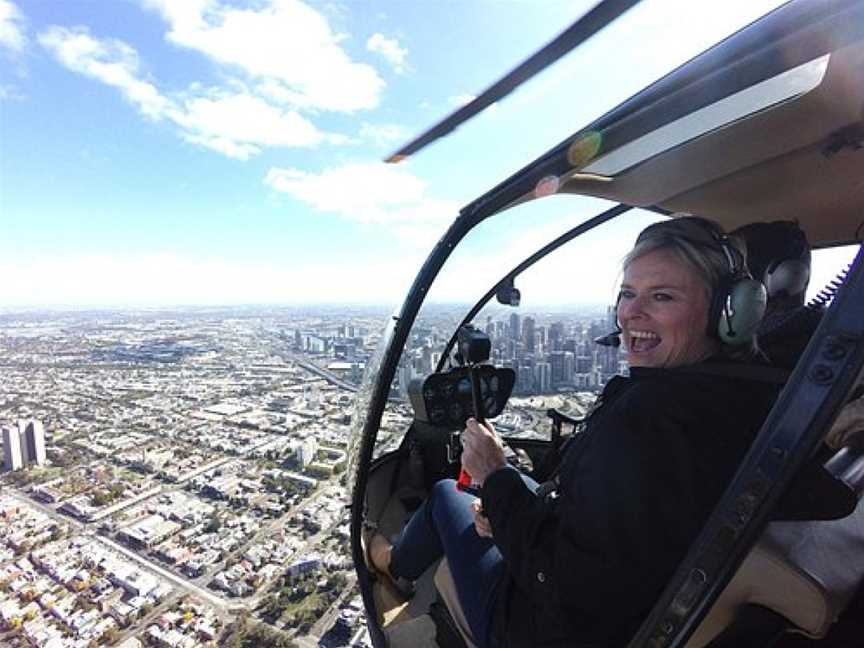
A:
663,313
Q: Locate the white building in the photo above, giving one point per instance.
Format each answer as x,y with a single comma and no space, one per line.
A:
12,457
134,581
306,451
307,564
32,435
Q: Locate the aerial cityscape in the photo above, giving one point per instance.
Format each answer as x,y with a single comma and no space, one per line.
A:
178,477
208,210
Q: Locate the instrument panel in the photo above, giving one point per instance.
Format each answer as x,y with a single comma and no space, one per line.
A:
445,400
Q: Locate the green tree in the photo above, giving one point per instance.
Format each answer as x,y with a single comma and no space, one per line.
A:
101,498
213,524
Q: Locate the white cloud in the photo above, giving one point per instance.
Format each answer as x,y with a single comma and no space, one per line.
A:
383,133
239,125
110,61
366,192
12,34
388,48
234,123
285,44
171,279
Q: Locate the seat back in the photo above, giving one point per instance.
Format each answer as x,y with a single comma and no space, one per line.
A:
806,571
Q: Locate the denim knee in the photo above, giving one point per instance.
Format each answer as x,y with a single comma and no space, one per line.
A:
443,488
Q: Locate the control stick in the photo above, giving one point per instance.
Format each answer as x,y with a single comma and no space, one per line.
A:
474,348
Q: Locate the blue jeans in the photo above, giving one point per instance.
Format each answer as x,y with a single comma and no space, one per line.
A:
444,526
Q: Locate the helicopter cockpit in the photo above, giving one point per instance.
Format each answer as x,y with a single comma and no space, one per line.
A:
763,126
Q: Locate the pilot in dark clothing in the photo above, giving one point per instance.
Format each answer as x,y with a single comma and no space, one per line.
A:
778,253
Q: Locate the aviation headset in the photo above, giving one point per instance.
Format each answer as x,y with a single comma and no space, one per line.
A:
779,253
738,302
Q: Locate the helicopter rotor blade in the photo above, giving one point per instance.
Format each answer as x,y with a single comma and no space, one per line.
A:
592,22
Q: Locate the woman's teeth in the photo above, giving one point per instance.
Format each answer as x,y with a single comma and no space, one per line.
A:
643,340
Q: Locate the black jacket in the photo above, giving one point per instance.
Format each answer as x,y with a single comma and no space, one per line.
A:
635,488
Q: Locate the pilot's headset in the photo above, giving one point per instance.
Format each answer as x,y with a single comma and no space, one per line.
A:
779,253
738,302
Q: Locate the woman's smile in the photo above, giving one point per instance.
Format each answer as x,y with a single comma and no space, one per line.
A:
663,312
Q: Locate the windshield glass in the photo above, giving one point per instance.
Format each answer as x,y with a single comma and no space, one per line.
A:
546,340
364,395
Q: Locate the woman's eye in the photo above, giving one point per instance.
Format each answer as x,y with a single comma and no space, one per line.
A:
625,294
662,297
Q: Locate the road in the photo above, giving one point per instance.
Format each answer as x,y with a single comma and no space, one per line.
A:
253,601
323,624
145,621
53,513
180,582
83,529
185,584
320,371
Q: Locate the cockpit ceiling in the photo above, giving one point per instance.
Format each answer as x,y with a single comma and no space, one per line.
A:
825,195
776,163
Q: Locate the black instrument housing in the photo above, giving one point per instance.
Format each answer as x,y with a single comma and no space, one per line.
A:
443,399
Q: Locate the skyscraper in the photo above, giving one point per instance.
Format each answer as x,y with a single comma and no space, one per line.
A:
515,331
543,377
569,367
556,335
31,437
528,334
556,365
12,458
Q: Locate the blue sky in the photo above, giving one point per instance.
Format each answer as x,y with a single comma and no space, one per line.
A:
205,151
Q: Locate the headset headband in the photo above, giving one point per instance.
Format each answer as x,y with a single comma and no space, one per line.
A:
699,231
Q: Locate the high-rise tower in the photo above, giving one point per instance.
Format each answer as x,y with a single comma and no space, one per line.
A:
12,457
528,334
32,440
515,331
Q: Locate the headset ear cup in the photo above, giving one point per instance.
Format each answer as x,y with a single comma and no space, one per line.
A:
790,277
747,301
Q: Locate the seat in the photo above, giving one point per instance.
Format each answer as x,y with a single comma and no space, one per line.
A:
807,572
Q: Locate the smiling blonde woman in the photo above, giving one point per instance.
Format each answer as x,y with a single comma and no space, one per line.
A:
580,561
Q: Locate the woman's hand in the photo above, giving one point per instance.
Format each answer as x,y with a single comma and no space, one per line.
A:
482,452
481,522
